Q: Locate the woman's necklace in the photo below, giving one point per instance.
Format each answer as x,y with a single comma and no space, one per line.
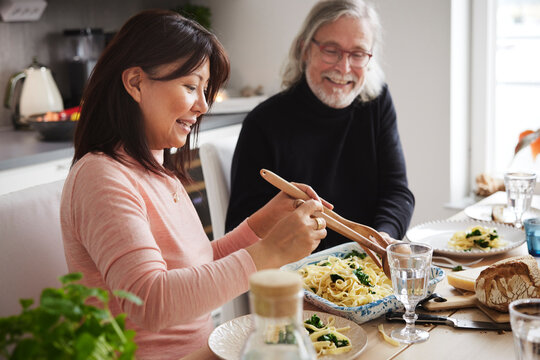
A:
175,195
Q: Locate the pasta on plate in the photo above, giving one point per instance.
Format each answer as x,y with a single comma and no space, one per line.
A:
326,338
351,281
477,237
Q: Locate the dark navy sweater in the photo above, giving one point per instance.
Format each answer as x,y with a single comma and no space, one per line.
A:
351,157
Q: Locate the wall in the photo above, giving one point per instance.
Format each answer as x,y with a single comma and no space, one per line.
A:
21,41
257,35
416,59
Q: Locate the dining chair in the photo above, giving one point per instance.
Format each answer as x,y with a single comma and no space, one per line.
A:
31,248
216,159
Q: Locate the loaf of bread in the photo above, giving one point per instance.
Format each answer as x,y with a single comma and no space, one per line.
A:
508,280
487,185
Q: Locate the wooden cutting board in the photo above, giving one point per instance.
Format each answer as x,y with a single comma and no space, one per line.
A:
452,302
464,282
496,316
467,300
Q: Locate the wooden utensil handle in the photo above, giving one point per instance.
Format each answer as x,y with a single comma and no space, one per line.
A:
295,192
351,234
284,185
292,190
331,222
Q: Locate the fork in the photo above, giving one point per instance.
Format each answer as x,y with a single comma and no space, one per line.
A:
450,263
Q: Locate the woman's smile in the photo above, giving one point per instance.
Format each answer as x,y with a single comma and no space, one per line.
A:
186,124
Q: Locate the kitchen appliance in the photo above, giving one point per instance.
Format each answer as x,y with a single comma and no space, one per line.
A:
38,94
82,49
17,10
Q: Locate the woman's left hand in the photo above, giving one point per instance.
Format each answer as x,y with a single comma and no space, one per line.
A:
270,214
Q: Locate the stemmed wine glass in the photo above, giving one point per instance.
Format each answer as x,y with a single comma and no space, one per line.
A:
410,266
519,189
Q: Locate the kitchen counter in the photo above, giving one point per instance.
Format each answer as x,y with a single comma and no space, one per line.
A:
20,148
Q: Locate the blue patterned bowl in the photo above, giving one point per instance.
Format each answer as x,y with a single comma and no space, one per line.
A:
358,314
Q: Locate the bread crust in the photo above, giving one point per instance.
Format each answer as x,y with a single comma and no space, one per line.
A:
508,280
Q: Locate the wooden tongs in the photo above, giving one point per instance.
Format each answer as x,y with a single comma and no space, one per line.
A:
351,230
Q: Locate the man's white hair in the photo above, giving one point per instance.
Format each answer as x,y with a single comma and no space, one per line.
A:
327,11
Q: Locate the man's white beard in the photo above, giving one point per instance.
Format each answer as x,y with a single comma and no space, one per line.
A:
338,99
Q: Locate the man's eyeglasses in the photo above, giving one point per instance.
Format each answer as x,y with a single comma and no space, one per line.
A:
331,54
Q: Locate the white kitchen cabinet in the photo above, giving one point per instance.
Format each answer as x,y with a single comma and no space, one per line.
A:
31,175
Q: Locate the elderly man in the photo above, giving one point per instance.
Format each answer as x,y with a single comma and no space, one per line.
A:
333,127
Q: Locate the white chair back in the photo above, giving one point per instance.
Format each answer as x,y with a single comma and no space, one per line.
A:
216,158
31,248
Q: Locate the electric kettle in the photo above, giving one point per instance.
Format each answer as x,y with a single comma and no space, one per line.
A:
39,94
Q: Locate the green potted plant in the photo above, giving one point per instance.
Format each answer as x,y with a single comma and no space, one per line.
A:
63,326
199,13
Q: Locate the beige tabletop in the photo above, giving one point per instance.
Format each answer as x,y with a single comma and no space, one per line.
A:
444,342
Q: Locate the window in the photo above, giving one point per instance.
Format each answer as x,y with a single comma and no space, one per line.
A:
517,80
505,83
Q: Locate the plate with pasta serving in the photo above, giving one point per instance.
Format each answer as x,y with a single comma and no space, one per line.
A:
227,340
467,238
344,281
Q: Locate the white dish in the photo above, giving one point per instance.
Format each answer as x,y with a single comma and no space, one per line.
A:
227,340
483,212
437,234
358,314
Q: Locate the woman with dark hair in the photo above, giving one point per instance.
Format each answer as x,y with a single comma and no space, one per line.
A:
127,221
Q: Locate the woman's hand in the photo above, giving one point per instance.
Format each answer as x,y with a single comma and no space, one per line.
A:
389,240
294,237
281,205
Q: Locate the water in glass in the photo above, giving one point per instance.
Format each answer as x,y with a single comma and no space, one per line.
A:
410,285
525,320
519,191
527,345
410,266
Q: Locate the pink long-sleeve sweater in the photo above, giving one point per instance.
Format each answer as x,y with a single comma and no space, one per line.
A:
123,230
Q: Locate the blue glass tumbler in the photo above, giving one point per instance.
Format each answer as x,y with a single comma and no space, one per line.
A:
532,232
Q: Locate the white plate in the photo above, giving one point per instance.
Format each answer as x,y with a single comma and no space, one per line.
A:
483,212
358,314
437,234
227,340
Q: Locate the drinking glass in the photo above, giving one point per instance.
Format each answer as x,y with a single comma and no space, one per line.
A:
525,321
519,191
532,234
410,266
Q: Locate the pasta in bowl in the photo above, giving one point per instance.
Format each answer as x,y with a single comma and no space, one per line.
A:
364,306
353,280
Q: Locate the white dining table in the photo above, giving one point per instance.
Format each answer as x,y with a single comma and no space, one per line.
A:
445,342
